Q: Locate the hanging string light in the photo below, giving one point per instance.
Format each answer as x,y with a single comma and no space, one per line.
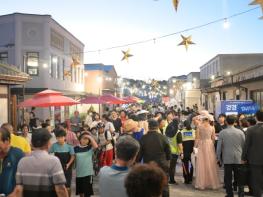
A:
226,24
176,33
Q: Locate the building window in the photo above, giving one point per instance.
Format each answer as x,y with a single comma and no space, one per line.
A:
57,40
51,68
81,76
32,63
72,73
75,74
58,69
4,57
54,70
63,69
224,96
257,96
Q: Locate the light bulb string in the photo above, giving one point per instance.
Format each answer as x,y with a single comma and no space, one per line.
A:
175,33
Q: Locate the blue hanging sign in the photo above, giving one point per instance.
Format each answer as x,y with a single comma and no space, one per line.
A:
238,107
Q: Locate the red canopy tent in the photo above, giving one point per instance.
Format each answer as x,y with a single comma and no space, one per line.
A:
48,98
108,98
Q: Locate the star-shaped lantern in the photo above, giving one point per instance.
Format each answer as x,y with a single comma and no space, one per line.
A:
186,41
126,55
154,84
67,73
176,3
75,61
258,2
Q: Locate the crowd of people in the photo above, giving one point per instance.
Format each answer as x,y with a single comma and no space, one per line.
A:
134,152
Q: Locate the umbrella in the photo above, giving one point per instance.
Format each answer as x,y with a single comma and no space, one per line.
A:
110,99
48,92
48,98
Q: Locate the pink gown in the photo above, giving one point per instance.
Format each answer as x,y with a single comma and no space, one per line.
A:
207,173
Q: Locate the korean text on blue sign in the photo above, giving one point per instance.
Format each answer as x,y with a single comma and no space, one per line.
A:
237,107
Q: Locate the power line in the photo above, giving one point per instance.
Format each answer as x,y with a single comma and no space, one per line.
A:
175,33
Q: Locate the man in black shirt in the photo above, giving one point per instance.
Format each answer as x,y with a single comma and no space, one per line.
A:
221,124
155,147
116,122
33,120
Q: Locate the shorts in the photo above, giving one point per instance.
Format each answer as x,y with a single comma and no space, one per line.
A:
84,185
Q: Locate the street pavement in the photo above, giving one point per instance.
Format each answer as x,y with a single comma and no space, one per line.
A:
180,190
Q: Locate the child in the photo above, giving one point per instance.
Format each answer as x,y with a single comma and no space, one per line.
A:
106,145
84,165
65,153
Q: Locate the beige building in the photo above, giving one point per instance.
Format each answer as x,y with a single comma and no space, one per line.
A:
231,77
247,84
100,79
175,89
191,90
227,64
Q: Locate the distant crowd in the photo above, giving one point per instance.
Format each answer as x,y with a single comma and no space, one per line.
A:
133,151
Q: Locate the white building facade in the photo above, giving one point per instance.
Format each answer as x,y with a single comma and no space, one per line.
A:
41,47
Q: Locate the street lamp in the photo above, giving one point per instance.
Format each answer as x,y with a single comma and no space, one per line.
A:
213,77
45,65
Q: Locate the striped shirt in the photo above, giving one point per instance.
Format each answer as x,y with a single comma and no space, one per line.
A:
72,139
39,173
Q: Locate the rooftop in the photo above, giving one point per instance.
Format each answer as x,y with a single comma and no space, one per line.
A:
98,66
231,54
43,15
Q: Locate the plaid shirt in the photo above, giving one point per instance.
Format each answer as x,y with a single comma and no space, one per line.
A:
72,139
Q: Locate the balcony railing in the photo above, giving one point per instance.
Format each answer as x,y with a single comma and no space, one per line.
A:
249,74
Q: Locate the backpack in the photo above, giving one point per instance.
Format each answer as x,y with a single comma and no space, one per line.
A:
106,137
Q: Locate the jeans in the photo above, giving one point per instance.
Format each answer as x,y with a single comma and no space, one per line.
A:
229,170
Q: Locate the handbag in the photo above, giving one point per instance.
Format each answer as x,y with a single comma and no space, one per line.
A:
243,175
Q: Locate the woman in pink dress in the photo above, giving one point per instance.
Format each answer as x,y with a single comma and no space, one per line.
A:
207,174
